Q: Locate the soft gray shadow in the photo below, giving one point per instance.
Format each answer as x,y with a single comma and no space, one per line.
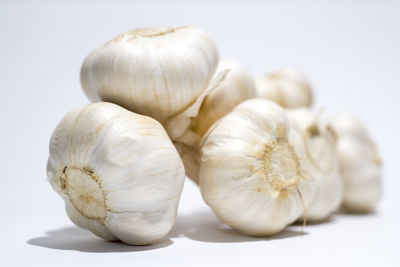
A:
205,227
74,238
202,226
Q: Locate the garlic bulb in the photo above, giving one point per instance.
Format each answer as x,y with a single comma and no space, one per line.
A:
321,150
237,86
288,87
360,163
118,173
254,171
158,72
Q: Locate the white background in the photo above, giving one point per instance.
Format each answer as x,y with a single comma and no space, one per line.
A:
349,49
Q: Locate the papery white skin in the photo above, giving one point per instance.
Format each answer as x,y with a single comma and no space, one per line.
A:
237,87
158,72
321,149
190,159
287,87
254,171
118,173
360,163
178,127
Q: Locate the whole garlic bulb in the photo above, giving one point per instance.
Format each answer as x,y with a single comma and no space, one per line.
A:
158,72
237,87
254,171
360,163
321,149
118,173
288,87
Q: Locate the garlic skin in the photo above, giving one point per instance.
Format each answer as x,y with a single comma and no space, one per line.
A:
287,87
254,171
157,72
360,163
190,159
118,173
237,87
321,149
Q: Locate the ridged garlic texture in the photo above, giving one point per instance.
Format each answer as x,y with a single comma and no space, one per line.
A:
360,163
287,87
237,87
254,171
118,173
321,149
157,72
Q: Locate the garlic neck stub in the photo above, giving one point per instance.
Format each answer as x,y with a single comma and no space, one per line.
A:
158,72
118,173
360,163
321,150
237,86
147,32
288,87
254,171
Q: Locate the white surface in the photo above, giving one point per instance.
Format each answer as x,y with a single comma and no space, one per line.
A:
349,49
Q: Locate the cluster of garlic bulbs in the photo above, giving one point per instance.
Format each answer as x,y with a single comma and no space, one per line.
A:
167,106
172,75
168,74
343,141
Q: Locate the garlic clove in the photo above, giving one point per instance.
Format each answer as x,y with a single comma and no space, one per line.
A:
118,173
288,87
157,72
190,159
178,125
321,149
254,171
237,87
226,93
360,163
